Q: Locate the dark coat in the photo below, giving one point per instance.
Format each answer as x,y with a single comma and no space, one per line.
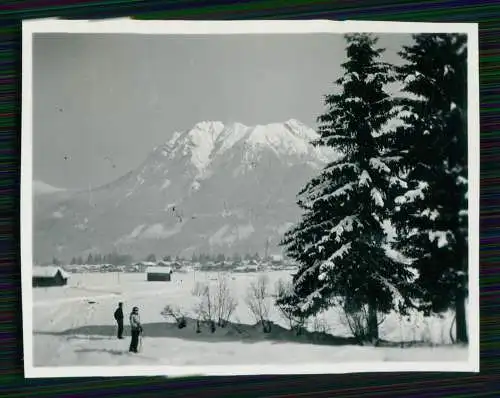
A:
119,314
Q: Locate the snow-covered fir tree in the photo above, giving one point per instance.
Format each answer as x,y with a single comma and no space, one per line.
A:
431,206
339,241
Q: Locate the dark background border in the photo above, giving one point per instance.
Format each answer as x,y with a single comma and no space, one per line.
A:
12,382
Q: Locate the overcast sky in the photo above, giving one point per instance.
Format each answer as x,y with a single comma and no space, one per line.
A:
106,100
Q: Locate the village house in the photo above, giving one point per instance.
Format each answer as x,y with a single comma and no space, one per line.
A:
141,266
159,274
163,263
49,276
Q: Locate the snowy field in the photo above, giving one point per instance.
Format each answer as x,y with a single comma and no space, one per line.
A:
74,326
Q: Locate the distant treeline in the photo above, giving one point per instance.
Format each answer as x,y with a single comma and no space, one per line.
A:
207,257
204,257
113,258
116,258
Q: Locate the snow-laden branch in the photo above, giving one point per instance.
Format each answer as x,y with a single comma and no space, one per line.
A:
328,265
378,165
356,100
431,214
393,180
440,236
301,279
309,300
341,167
364,179
413,194
462,180
323,224
391,159
397,256
398,297
345,225
377,197
338,192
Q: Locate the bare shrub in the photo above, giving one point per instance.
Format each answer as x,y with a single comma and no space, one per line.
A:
320,325
295,320
357,321
225,303
258,300
356,317
204,309
216,304
176,314
426,332
401,319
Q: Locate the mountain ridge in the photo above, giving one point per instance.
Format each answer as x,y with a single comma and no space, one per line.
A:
208,188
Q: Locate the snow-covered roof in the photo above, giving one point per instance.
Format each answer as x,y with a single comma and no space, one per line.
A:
48,271
159,270
150,263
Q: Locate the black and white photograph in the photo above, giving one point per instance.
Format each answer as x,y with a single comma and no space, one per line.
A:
253,197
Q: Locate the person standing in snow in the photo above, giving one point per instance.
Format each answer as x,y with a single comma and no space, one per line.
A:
119,320
136,329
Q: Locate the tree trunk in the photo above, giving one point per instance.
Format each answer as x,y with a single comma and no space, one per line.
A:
372,323
460,311
461,319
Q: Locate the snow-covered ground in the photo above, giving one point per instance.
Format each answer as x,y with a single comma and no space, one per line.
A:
74,326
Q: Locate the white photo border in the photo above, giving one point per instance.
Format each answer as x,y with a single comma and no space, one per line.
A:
130,26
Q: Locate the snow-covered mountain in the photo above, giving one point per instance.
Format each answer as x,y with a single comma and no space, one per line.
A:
213,188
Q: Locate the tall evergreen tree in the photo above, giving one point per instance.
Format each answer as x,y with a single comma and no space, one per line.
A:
431,206
339,242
